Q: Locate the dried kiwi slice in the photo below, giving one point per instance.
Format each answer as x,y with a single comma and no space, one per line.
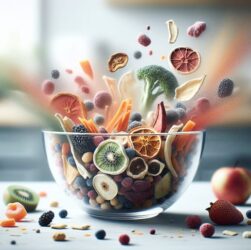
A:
28,198
110,157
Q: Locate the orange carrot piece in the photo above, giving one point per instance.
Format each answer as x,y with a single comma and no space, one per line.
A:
120,124
114,119
183,139
85,123
86,67
8,223
93,126
125,120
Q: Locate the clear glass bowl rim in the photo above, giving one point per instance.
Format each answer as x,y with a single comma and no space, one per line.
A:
124,134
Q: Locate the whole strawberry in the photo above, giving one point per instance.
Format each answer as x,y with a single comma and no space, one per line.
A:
224,213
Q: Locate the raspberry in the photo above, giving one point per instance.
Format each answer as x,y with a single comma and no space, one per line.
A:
144,40
225,88
100,234
124,239
63,213
127,182
46,218
193,221
207,230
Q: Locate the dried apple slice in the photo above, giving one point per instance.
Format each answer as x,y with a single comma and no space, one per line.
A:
189,89
66,124
160,122
168,147
172,31
69,105
185,60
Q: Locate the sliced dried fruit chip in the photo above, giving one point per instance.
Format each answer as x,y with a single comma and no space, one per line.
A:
137,168
68,105
147,146
86,66
189,89
117,61
172,31
185,60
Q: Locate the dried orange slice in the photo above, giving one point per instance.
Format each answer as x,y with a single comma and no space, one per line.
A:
147,146
69,105
185,60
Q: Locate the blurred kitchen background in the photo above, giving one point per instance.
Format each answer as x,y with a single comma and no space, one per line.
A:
40,35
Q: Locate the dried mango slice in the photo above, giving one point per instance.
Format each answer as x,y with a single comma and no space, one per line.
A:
117,61
185,60
87,68
69,105
168,148
147,146
189,89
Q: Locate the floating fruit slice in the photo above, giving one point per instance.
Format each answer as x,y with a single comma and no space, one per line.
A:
110,157
189,89
172,31
160,122
28,198
105,186
155,167
69,105
185,60
126,86
168,147
87,68
163,187
137,168
117,61
148,145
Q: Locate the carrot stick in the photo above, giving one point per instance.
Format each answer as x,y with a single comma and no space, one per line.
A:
93,126
86,67
125,120
120,124
85,123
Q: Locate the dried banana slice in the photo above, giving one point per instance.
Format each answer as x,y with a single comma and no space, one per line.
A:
168,147
189,89
58,226
80,227
229,233
172,31
66,125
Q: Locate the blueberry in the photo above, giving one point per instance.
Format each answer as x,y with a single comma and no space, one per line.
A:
137,54
136,117
225,88
57,147
172,116
99,119
89,105
71,161
134,124
89,182
180,105
131,153
63,213
55,74
181,112
100,234
248,214
13,242
128,204
79,182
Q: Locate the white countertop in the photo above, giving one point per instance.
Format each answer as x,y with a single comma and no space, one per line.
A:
171,232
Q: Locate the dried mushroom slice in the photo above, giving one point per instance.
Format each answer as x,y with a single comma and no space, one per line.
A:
66,124
138,168
189,89
168,147
105,186
155,167
117,61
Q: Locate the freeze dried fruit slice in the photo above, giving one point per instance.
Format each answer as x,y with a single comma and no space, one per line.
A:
126,85
110,157
168,147
163,187
160,122
189,89
185,60
87,68
69,105
172,31
155,167
117,61
105,186
137,168
147,144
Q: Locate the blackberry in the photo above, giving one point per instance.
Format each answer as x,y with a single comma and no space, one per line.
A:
46,218
225,88
81,143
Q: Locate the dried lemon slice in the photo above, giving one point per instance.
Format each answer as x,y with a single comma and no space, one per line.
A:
147,144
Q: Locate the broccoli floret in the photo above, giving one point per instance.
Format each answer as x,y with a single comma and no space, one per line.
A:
158,81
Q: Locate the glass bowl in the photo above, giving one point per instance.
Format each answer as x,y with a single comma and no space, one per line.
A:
124,176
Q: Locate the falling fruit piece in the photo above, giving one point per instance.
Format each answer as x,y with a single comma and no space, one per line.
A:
185,60
117,61
87,68
69,105
160,122
172,31
189,89
168,147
